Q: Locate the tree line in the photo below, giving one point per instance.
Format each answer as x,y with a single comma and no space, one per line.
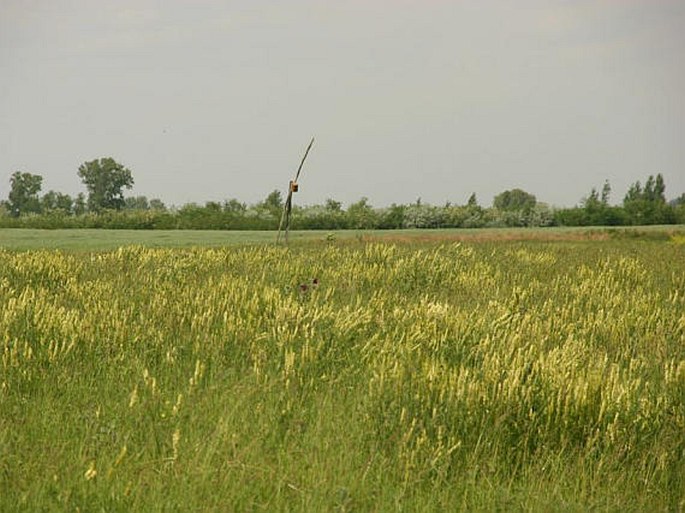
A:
105,206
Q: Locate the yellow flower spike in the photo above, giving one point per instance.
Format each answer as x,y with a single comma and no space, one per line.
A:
134,397
177,406
91,473
175,442
120,456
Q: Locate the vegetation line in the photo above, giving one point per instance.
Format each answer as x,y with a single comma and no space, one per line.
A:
106,207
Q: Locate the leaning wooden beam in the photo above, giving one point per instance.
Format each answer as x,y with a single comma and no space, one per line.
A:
284,214
303,159
288,205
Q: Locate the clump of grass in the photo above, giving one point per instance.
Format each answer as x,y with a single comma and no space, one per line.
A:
678,239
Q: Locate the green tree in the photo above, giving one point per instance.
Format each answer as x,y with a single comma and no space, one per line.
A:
23,196
595,210
234,207
273,203
393,217
634,193
105,179
659,189
647,205
515,200
606,193
423,215
472,202
333,205
56,201
592,203
80,206
137,203
157,204
213,207
361,214
678,206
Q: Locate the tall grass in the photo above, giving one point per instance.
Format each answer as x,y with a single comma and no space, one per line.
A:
368,377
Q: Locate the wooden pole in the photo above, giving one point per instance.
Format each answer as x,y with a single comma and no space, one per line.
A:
288,205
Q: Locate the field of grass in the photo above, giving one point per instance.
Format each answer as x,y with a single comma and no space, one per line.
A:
100,240
356,374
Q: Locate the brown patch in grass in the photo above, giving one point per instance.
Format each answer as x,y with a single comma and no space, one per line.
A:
494,236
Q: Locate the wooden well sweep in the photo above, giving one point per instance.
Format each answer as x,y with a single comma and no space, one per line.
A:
288,205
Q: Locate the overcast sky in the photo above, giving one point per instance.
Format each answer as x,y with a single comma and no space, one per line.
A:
209,100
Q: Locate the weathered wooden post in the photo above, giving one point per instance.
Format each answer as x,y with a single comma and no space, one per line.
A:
293,186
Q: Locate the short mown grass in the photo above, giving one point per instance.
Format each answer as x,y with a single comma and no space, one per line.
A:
19,239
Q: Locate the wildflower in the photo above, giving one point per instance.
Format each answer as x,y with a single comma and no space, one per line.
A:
91,472
175,440
134,397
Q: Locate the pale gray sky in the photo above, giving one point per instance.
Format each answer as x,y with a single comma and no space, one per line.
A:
208,100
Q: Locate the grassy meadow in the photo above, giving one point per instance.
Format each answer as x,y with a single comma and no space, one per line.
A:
358,372
101,240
